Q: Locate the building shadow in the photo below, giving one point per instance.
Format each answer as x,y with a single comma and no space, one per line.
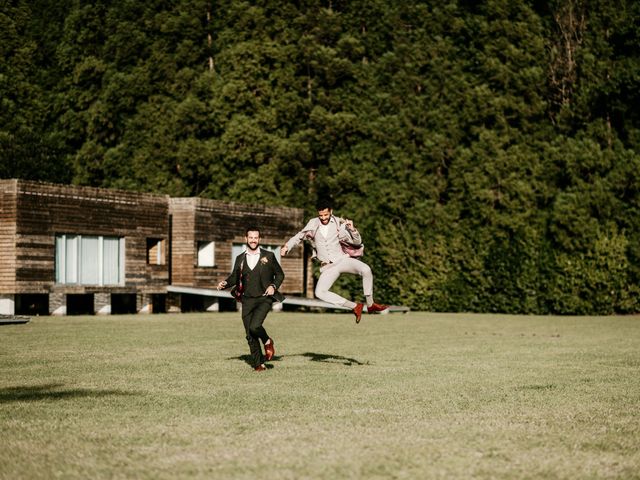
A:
53,391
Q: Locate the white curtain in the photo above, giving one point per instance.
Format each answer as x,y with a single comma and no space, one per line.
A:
111,261
90,261
60,258
71,259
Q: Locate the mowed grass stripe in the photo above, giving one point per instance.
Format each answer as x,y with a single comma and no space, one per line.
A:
399,396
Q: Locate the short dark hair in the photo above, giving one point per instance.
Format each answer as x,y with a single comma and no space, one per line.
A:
323,204
251,228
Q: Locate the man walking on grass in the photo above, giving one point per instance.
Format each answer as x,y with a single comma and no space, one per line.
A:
256,277
337,244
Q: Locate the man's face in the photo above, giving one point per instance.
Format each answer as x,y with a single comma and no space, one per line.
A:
324,215
253,239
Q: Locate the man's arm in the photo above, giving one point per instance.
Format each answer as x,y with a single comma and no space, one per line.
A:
277,276
231,279
349,232
298,237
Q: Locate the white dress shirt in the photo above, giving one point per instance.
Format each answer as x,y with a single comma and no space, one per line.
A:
252,258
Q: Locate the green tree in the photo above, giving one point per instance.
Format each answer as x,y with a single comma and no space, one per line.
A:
27,149
487,150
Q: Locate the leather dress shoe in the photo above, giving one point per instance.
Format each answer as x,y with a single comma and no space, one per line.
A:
357,311
376,307
260,368
269,350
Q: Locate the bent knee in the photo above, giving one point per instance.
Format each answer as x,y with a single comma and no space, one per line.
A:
323,294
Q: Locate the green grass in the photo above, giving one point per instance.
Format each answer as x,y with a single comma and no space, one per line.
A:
399,396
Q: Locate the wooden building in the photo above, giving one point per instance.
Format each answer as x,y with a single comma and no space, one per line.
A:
79,250
208,234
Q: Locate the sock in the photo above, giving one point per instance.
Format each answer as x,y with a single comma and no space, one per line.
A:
369,300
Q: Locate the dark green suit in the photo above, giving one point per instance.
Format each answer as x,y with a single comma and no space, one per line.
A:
255,305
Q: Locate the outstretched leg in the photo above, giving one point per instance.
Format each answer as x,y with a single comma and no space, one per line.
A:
326,280
358,267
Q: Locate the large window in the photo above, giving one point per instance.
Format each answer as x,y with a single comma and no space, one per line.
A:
89,260
206,254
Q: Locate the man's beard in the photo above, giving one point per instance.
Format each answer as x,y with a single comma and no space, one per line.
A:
249,247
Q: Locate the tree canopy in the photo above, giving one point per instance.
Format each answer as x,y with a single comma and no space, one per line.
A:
488,151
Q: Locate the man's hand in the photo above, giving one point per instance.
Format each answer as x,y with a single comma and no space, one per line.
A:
270,291
283,250
222,284
349,224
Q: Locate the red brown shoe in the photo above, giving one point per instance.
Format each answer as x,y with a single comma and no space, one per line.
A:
260,368
269,350
357,311
376,307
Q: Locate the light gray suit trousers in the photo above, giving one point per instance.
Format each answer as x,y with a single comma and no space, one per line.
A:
330,273
335,261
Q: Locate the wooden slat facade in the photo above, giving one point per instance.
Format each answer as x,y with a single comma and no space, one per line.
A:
32,214
197,220
8,202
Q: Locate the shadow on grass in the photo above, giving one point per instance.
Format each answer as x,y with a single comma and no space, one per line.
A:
323,357
245,358
314,357
53,391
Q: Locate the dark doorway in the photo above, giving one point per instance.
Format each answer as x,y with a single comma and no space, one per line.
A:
123,303
227,305
32,304
158,303
80,304
191,303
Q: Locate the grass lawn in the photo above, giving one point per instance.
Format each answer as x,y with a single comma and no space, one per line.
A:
414,396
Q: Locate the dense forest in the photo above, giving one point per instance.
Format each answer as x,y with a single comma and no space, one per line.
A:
489,151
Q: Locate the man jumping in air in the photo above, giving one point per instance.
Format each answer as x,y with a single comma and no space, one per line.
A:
337,244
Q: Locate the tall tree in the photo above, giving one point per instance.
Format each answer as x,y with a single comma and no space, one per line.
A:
489,151
27,148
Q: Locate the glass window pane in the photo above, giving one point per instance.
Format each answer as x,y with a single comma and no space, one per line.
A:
60,248
111,261
71,259
89,261
121,279
237,249
206,254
